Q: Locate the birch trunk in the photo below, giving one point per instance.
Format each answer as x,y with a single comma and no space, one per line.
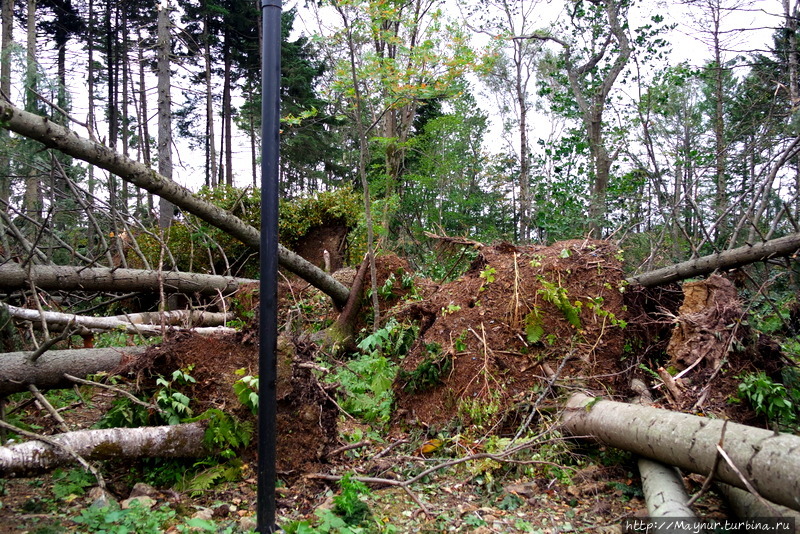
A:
14,276
663,490
769,460
177,441
138,323
729,259
746,505
17,371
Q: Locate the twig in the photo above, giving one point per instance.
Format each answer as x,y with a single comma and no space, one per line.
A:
49,407
388,449
55,444
68,331
710,477
350,446
542,395
116,390
746,482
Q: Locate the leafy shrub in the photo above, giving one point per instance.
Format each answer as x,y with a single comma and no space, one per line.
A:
768,398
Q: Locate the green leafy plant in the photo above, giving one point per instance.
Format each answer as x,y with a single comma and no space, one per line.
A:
429,373
246,389
72,482
768,398
349,504
174,403
534,328
207,478
124,413
225,433
114,520
488,274
367,379
557,295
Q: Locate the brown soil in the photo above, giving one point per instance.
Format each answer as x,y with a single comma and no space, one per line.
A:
481,321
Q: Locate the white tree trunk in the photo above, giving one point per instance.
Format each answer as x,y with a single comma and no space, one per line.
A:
729,259
177,441
133,324
663,490
17,371
770,461
746,505
14,276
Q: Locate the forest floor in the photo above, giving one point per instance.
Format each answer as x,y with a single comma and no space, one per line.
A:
495,355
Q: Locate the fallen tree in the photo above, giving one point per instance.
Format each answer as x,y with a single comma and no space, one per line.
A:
14,276
769,461
746,505
663,490
17,371
176,441
58,137
729,259
140,323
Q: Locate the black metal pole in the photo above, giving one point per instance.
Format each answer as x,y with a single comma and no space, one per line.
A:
268,307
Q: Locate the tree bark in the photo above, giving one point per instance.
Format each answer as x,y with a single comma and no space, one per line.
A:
14,277
769,460
746,505
136,324
663,490
176,441
165,208
54,136
729,259
17,372
7,18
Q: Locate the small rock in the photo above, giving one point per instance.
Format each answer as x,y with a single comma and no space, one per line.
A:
100,498
247,523
143,500
203,513
141,489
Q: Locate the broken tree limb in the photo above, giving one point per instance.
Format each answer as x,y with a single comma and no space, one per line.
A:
176,441
122,322
729,259
771,461
14,276
663,490
63,139
17,372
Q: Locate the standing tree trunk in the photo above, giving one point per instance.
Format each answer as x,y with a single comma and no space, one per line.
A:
211,149
770,461
164,112
7,15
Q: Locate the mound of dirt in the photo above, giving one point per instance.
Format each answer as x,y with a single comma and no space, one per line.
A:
489,340
306,415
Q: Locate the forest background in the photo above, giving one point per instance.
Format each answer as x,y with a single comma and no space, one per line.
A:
596,131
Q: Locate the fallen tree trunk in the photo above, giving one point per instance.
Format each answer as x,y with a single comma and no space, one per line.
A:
663,490
17,371
729,259
770,461
55,136
746,505
176,441
133,324
14,276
